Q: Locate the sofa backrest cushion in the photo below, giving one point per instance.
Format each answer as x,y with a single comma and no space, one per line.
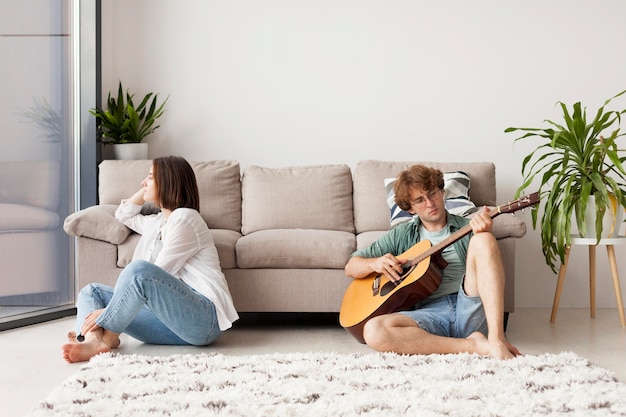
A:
119,179
219,183
371,211
220,193
304,197
31,183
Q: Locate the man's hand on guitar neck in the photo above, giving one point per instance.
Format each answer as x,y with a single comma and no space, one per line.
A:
482,222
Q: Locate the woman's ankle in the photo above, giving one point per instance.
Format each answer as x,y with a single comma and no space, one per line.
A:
111,339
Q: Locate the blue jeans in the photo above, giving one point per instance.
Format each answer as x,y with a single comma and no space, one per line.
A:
456,315
152,306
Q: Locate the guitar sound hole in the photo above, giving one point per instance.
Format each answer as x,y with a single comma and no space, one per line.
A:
390,286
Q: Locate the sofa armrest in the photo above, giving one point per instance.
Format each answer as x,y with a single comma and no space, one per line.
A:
508,225
97,222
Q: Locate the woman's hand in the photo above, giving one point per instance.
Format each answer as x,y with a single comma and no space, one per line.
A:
89,324
137,198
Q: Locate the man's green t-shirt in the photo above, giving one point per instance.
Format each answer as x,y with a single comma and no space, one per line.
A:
402,237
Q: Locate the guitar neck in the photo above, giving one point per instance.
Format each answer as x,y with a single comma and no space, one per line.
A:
450,239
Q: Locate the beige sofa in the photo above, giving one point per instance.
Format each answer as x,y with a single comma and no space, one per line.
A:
283,234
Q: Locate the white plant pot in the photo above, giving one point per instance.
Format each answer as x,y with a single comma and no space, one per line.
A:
125,151
611,224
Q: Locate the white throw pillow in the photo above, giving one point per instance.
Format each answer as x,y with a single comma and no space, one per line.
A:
456,196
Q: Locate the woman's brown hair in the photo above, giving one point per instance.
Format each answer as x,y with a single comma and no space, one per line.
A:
417,176
176,184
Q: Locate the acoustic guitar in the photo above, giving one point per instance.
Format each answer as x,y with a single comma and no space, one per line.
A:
376,294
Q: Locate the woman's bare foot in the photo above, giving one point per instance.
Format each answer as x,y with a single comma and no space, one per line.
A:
71,337
111,339
96,342
80,352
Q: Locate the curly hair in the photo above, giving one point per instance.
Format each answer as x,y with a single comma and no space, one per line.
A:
420,176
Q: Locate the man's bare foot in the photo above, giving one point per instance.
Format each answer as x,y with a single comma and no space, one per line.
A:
500,350
80,352
515,351
495,348
481,344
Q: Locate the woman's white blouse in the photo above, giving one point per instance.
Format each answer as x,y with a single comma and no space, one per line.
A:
183,246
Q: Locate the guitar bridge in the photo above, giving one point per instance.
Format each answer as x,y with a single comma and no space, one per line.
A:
376,285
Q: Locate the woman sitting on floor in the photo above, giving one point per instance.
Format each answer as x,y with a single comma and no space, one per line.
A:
174,291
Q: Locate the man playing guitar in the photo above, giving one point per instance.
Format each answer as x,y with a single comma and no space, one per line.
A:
466,312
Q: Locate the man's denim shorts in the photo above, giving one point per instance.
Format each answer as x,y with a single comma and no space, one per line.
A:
455,315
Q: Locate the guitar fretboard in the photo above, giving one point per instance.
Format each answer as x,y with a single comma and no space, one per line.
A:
511,207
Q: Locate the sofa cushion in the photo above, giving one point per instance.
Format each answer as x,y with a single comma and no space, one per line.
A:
219,183
224,243
119,179
508,225
19,218
456,197
97,222
307,197
295,248
363,240
126,249
370,200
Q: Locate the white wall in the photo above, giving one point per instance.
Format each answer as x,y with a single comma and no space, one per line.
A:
290,82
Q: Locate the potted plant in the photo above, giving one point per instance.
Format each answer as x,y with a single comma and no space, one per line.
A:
579,166
121,123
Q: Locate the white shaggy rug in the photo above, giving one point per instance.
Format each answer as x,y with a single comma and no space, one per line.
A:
327,384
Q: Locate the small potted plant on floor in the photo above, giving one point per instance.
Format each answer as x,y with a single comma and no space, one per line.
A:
580,173
123,126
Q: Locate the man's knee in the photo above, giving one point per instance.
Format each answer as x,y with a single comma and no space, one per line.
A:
380,332
483,250
483,241
374,333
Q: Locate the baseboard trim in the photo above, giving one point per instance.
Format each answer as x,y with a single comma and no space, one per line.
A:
36,317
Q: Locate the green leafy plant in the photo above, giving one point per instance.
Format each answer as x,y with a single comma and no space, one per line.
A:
122,122
574,162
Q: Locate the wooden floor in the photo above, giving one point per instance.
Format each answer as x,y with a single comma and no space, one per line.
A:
31,363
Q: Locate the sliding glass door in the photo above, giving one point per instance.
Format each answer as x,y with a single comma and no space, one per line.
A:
37,163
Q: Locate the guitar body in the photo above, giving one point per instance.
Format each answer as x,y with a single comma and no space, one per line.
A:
361,301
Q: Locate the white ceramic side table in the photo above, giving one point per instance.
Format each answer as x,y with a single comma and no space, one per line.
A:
610,244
